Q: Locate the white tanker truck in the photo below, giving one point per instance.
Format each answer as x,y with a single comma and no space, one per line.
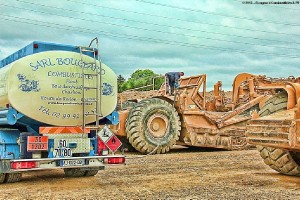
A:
53,99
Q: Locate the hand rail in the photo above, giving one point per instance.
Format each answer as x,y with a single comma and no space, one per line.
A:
153,84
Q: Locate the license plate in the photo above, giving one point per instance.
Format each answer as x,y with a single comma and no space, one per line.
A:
77,162
62,152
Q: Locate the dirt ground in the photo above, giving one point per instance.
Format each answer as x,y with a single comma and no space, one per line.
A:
180,174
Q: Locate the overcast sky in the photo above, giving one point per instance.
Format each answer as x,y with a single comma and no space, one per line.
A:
220,38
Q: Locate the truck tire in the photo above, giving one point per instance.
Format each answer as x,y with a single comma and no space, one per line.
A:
283,161
74,172
91,172
153,126
2,177
12,177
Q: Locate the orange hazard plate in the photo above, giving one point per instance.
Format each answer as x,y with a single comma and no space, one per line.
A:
37,143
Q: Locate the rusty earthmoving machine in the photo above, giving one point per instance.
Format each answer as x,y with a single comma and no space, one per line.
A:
276,130
191,118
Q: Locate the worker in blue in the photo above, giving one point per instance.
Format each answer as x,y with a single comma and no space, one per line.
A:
172,79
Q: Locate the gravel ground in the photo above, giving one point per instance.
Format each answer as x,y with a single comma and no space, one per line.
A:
181,174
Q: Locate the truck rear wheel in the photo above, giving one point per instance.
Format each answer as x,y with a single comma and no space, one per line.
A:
74,172
153,125
12,177
91,172
2,177
285,162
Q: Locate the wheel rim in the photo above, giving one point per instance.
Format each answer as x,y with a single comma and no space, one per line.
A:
158,125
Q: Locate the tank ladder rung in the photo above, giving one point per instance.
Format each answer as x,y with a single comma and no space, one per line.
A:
93,127
89,74
87,49
91,63
90,88
91,114
88,101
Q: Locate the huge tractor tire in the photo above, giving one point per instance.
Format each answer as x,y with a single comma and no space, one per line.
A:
153,126
283,161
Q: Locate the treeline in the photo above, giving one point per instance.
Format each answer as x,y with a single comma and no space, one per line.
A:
140,79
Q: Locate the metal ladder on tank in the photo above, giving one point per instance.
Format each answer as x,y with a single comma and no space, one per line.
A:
97,111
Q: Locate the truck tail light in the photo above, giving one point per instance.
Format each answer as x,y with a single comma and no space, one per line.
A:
24,165
117,160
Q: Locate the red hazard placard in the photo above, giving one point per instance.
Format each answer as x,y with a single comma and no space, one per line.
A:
113,143
37,143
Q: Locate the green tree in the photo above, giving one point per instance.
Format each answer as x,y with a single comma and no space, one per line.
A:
141,78
120,81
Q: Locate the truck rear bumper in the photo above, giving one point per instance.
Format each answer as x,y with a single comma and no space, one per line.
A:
84,163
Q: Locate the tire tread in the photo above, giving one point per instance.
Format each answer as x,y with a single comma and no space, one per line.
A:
278,159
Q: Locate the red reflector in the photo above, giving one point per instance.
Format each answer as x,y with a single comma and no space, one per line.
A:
96,53
23,165
35,46
118,160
